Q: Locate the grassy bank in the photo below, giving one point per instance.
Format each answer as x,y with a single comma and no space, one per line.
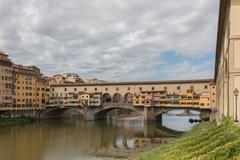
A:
205,142
14,121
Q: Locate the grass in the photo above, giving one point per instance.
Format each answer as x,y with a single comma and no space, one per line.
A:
205,141
14,121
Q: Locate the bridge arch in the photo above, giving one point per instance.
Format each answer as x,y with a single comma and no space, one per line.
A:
52,113
101,114
163,111
159,114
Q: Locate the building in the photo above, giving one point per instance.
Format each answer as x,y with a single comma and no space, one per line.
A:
185,99
42,93
163,92
76,99
72,78
67,78
227,67
93,81
84,99
59,79
6,81
95,99
30,87
48,82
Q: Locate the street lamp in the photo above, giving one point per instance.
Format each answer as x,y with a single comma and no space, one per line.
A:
236,93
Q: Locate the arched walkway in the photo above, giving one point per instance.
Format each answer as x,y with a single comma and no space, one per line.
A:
106,98
117,97
128,98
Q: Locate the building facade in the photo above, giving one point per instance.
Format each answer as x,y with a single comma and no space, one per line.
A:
227,68
6,81
180,93
186,99
30,87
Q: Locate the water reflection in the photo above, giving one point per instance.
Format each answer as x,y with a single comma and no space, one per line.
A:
76,139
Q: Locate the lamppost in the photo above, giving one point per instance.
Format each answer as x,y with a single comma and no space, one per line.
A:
236,93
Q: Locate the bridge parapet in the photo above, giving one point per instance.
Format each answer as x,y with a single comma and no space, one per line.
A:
117,104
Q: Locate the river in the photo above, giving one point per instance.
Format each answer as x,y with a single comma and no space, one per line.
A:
75,139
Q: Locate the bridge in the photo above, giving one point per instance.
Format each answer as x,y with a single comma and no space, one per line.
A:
148,99
150,113
91,113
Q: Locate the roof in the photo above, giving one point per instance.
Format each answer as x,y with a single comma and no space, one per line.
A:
136,83
31,70
223,7
3,53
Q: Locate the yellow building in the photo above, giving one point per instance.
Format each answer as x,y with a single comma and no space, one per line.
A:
29,87
159,93
59,79
6,81
42,93
189,98
95,99
84,98
227,68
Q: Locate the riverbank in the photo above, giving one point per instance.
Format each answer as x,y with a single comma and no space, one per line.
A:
15,121
206,141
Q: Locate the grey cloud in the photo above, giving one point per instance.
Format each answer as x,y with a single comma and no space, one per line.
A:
109,39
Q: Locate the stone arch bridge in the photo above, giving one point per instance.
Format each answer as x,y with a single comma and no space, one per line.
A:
150,113
98,113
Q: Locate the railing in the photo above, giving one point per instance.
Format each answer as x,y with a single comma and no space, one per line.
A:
117,104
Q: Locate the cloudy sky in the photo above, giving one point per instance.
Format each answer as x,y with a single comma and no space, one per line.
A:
114,40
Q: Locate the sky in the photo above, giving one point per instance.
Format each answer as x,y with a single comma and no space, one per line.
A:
113,40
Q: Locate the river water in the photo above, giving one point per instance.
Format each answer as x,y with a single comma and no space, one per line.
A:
80,140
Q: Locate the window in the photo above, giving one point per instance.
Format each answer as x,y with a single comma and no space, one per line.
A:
205,87
213,94
117,89
95,89
65,89
140,88
75,89
192,87
52,89
129,88
152,88
85,89
178,87
165,88
106,89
